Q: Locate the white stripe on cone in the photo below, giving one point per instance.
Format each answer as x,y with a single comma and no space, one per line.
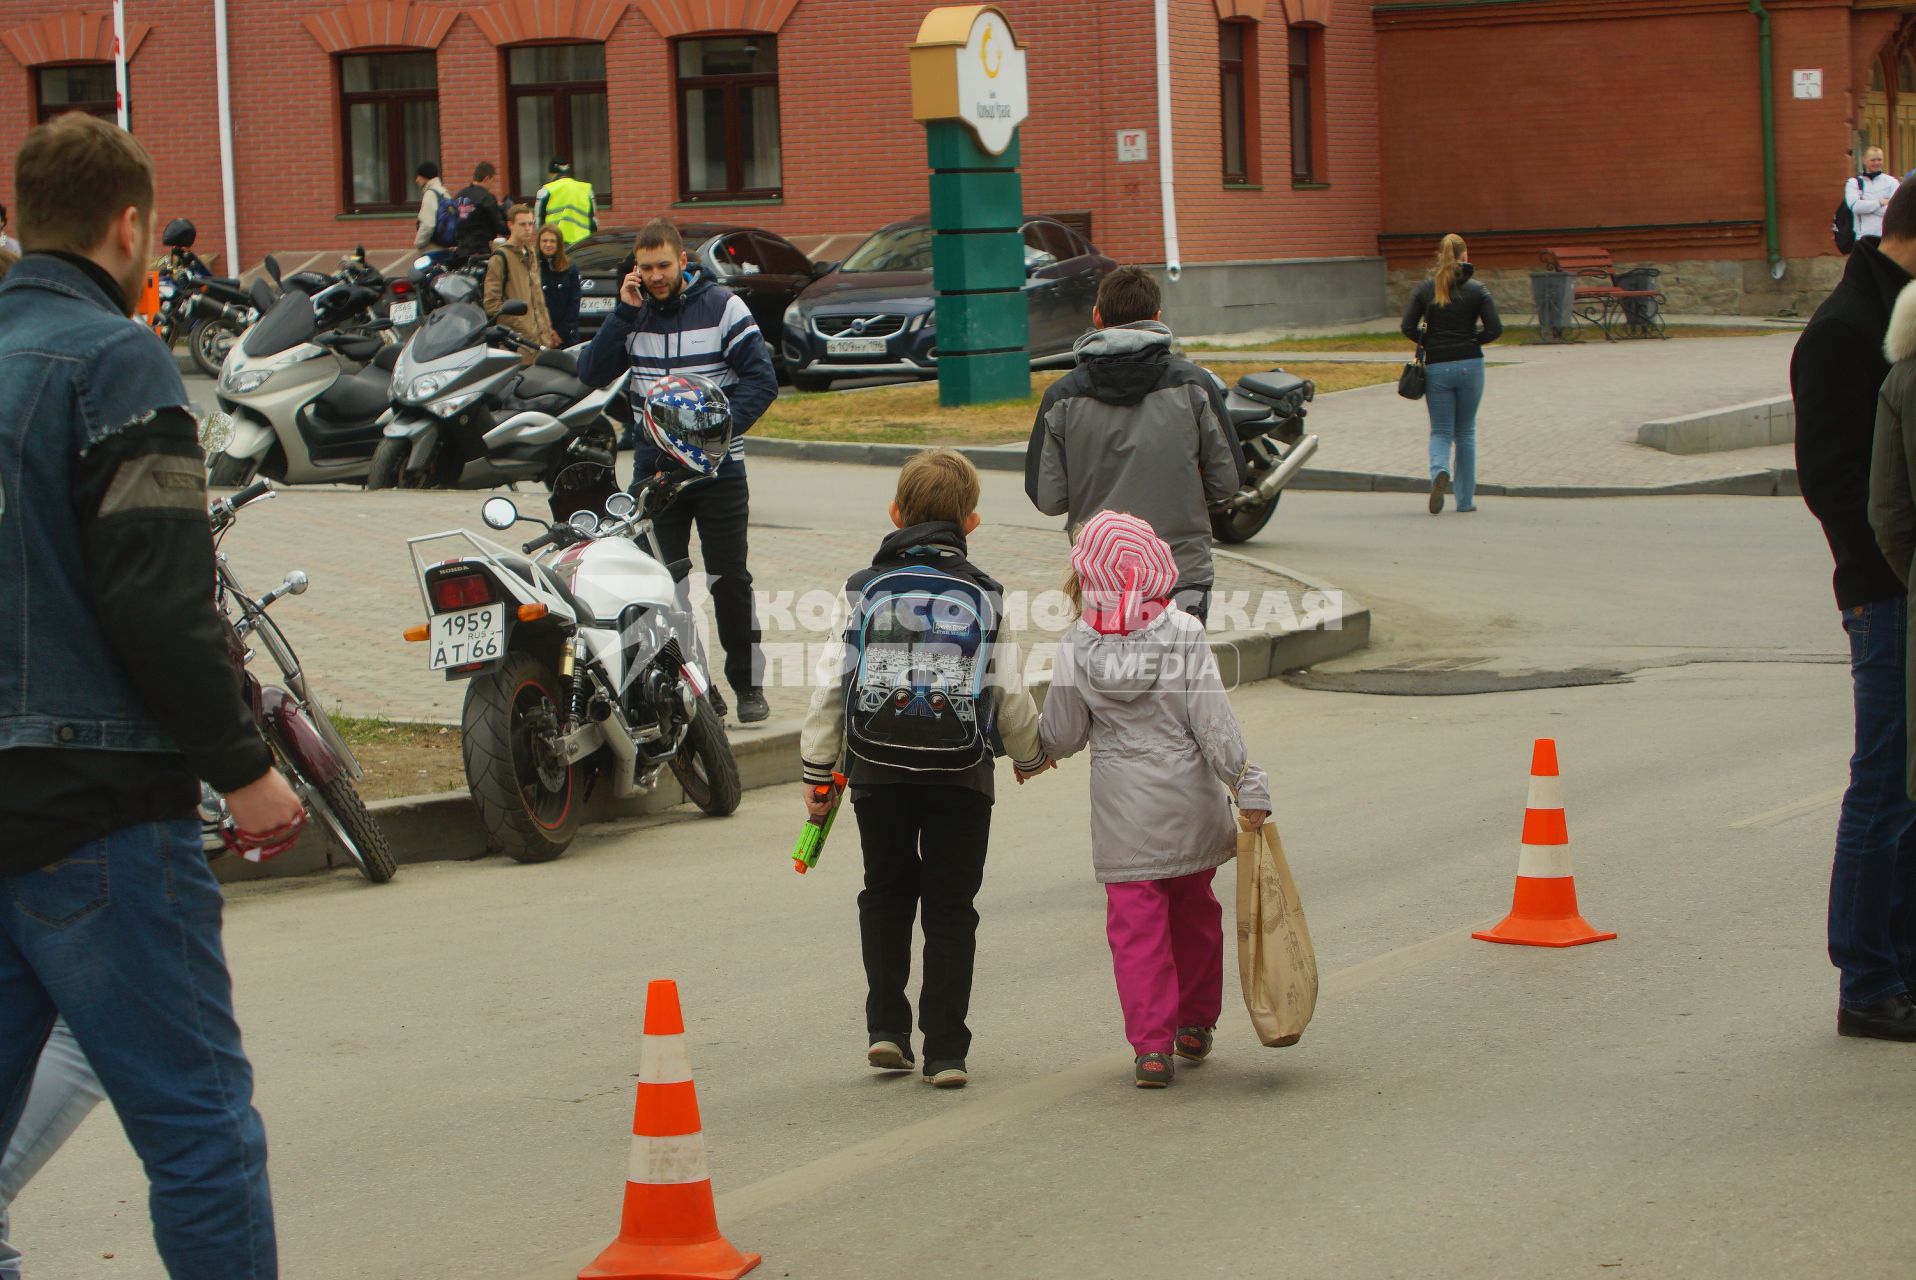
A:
663,1060
1544,862
1546,792
668,1161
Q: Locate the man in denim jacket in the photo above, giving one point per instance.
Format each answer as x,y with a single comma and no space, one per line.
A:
117,693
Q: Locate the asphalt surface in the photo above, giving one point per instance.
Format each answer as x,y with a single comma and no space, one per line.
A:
446,1064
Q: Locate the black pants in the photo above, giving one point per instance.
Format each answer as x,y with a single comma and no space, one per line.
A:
1194,600
720,508
924,849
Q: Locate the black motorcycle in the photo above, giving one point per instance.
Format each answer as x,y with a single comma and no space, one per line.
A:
1267,412
208,311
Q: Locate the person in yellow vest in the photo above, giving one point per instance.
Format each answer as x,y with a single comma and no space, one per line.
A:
567,203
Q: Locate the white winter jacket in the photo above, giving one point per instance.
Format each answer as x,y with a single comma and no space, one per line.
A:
1868,198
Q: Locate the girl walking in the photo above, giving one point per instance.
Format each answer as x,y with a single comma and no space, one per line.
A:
561,280
1135,679
1451,316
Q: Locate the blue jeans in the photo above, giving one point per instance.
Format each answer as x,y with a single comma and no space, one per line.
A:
122,939
64,1090
1452,392
1873,881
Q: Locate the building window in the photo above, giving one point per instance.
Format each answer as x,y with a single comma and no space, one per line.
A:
728,118
78,86
1237,79
1307,105
389,105
557,110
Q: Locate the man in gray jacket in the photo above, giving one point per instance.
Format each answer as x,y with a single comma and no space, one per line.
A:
1137,429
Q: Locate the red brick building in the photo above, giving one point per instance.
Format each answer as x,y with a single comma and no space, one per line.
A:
789,114
1638,126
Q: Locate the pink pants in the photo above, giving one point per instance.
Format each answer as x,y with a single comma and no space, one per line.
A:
1167,947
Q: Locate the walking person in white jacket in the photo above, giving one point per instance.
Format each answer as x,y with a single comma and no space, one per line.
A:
1869,193
1136,680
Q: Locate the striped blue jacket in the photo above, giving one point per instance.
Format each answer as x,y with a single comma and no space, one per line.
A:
701,329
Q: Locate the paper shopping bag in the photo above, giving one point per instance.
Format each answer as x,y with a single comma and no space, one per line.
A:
1275,961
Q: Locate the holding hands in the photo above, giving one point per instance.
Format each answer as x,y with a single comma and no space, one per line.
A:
1023,776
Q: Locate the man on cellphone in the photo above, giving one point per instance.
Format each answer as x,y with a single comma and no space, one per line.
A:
117,693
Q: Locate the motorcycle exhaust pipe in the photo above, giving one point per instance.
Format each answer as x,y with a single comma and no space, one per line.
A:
199,302
1273,484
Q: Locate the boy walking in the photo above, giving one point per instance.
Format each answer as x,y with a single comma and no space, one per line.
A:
911,697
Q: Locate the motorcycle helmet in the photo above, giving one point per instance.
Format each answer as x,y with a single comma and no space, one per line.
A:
180,234
689,420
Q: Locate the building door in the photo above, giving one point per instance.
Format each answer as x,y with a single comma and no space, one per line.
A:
1874,124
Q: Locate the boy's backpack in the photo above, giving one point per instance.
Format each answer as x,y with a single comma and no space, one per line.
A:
917,697
1843,225
453,212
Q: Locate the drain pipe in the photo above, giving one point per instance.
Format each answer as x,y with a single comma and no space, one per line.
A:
224,91
1167,173
1766,60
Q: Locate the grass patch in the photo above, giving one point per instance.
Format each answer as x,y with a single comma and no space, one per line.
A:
911,414
1513,335
402,759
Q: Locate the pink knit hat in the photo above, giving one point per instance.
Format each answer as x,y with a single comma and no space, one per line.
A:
1122,566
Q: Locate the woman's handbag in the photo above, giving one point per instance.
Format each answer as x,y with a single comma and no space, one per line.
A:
1275,961
1410,383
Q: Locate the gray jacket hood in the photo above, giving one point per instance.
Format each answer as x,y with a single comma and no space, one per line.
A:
1124,667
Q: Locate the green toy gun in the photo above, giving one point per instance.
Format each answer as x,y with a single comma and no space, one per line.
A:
811,840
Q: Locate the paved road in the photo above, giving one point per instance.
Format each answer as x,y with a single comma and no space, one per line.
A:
446,1065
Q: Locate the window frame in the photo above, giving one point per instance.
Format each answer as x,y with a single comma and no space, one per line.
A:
527,185
107,110
730,85
394,100
1310,71
1244,68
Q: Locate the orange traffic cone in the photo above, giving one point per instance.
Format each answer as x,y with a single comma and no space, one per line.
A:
669,1229
1544,910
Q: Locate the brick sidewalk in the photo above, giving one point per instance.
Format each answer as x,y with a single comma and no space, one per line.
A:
352,544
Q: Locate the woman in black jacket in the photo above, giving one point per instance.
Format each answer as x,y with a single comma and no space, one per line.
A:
561,282
1452,316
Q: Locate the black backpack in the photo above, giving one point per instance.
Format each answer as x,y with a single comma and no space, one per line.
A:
917,698
1843,225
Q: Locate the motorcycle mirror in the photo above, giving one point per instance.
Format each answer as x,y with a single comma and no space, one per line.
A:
620,505
215,432
499,513
515,307
584,522
296,583
272,268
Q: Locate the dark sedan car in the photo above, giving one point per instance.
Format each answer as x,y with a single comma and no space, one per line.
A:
875,313
760,267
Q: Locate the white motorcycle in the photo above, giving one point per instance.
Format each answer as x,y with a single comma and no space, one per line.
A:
582,650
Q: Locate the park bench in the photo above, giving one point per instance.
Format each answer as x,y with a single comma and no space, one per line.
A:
1616,302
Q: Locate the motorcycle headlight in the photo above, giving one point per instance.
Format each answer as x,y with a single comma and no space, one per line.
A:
453,404
427,385
241,381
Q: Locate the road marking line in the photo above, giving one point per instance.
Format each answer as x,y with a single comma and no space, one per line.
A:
1796,809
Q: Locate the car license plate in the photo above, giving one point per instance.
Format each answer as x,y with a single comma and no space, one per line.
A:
403,312
854,346
595,306
471,635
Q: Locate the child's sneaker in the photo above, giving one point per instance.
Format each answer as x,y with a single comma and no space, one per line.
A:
948,1073
1154,1070
889,1052
1194,1043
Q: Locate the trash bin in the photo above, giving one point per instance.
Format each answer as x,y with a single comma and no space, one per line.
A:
1639,314
1555,295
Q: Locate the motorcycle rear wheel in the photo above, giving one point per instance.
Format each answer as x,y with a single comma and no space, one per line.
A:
704,765
338,806
530,805
211,340
1245,523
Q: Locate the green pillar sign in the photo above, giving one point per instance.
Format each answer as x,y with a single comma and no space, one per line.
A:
968,85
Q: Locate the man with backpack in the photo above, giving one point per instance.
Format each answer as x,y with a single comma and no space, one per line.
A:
432,194
1865,197
473,217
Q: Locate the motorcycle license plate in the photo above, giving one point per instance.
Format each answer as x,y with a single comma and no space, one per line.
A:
404,312
854,346
595,306
471,635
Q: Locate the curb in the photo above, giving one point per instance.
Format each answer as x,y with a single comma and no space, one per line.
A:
445,827
1770,482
